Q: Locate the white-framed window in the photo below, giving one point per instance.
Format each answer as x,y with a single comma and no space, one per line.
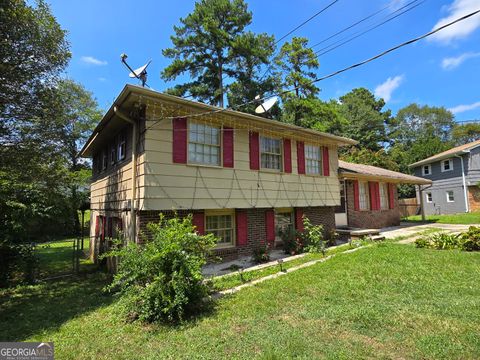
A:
121,146
284,224
450,196
270,153
113,154
203,144
221,225
429,197
383,196
426,169
447,165
313,159
364,195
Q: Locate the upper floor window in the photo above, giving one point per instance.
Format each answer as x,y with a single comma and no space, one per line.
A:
204,144
221,225
429,197
270,153
364,197
122,146
113,154
426,169
450,196
313,159
447,165
104,159
383,196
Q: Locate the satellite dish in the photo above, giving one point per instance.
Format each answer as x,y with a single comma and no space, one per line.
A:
141,70
267,105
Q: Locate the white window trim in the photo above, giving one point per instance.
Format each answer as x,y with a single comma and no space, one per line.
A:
448,198
451,165
363,185
260,152
122,146
426,197
234,226
429,170
383,189
220,145
320,160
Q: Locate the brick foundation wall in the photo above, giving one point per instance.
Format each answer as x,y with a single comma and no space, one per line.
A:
474,198
371,219
256,227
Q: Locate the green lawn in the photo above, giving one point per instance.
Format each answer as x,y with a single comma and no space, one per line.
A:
463,218
383,301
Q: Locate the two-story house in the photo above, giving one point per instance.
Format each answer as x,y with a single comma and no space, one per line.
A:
243,177
455,176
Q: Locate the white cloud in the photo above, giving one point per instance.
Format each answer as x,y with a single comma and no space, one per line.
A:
453,62
102,79
461,29
386,89
396,4
462,108
90,60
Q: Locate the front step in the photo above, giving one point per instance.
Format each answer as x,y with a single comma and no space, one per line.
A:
377,238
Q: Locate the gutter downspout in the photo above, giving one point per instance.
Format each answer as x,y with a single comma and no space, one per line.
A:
133,208
464,184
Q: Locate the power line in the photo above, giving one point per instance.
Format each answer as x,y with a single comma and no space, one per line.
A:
329,48
335,73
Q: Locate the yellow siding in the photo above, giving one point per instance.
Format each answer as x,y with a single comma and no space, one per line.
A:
169,185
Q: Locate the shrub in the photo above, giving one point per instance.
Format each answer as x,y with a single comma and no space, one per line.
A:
471,239
313,237
162,279
422,243
292,241
445,241
261,254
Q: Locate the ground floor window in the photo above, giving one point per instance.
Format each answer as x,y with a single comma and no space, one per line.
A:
383,196
364,197
283,224
450,196
221,225
429,197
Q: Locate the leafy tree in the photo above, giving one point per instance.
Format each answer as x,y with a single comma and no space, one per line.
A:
378,158
297,62
467,133
205,47
365,118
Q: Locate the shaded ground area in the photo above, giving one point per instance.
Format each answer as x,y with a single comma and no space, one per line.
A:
383,301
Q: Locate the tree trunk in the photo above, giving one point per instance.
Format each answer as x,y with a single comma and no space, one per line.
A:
220,79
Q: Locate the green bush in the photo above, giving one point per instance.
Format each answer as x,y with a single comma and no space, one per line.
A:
162,279
471,239
292,241
313,237
440,241
261,254
422,243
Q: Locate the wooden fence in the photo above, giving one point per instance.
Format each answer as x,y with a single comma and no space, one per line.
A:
408,207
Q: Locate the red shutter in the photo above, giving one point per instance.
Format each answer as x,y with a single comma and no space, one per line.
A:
373,195
287,155
198,221
97,226
356,196
254,150
299,219
301,157
179,140
228,147
326,161
270,226
242,228
391,196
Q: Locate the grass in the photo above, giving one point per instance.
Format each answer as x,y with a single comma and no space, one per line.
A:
463,218
383,301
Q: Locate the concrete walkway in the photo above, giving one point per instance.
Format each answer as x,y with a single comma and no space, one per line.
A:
411,231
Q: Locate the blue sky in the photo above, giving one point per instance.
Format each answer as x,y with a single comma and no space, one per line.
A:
443,71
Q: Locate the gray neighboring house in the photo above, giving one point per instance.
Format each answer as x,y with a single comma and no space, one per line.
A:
455,176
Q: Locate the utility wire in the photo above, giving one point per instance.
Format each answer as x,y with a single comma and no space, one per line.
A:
335,73
340,42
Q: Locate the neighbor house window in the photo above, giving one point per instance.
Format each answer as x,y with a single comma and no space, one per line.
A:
221,226
450,196
203,144
363,195
313,159
271,153
122,146
426,169
447,165
429,197
383,196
